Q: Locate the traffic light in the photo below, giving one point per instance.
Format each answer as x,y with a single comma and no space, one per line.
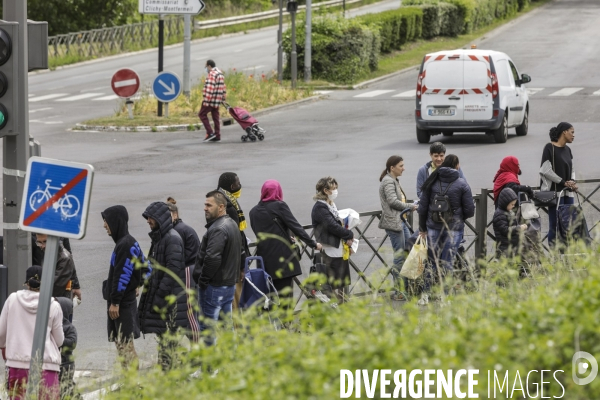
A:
9,78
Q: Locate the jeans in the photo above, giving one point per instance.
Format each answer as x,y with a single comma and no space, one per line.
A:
444,246
552,218
398,239
213,300
214,112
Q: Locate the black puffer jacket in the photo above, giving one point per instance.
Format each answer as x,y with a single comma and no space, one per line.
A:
459,194
123,276
166,251
219,256
328,230
191,242
70,342
506,228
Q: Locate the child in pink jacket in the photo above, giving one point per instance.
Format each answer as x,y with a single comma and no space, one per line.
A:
17,323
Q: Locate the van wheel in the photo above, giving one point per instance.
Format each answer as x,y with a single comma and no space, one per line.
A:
423,136
501,134
447,133
524,127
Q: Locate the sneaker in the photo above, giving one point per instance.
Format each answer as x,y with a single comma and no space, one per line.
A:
424,300
217,139
398,297
210,137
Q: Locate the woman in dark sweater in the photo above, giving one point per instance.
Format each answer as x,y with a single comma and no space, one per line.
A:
335,239
273,216
557,171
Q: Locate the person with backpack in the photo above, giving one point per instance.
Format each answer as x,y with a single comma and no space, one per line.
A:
446,202
273,216
437,152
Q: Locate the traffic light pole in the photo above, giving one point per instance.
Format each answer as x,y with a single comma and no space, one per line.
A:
17,243
161,45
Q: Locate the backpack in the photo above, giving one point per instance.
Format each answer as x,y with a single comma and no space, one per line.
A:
441,211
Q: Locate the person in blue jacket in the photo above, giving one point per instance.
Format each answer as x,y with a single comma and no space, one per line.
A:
437,152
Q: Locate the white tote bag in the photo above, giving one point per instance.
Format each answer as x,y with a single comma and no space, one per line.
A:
415,262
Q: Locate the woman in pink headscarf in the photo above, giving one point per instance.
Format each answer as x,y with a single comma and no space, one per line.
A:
273,216
508,176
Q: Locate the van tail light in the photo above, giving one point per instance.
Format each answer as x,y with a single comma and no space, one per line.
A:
495,89
418,113
419,85
496,113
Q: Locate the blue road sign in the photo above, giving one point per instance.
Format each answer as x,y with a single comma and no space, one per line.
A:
166,87
56,197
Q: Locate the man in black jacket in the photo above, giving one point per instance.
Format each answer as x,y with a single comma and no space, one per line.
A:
158,314
218,263
66,282
124,278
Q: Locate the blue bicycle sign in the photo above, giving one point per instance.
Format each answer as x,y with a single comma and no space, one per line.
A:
68,204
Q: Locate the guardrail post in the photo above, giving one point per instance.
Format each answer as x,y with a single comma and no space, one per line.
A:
481,224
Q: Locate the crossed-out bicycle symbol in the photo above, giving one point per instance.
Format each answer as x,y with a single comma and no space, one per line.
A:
68,204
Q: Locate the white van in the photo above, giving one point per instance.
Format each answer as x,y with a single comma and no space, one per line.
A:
470,91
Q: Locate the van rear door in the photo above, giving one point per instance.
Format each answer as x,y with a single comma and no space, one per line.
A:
442,82
477,89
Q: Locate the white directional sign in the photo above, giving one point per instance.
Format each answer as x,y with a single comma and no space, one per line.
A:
170,6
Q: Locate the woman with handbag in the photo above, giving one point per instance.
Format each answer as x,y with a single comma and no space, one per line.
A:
393,202
557,183
508,177
281,257
336,239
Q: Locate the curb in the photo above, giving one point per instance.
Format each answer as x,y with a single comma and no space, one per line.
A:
184,127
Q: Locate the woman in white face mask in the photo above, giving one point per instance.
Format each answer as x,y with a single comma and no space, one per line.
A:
334,238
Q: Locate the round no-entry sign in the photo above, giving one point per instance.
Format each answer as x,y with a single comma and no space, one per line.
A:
125,83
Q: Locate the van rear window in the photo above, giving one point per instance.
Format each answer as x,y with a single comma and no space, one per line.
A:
476,74
444,74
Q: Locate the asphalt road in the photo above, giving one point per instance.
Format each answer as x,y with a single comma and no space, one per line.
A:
343,136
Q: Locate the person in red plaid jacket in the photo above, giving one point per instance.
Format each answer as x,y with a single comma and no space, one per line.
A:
213,94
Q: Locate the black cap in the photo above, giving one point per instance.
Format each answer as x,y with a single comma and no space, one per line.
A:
34,276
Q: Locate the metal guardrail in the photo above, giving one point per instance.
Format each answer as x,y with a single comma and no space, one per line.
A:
117,39
370,266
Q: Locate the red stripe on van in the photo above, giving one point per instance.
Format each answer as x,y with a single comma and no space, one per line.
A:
463,92
487,58
489,73
424,89
436,91
427,58
489,88
474,58
440,57
477,91
449,91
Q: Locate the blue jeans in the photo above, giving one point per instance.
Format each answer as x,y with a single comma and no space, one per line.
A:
398,239
212,300
552,218
444,245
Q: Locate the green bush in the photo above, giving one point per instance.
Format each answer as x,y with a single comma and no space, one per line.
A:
508,325
343,50
396,27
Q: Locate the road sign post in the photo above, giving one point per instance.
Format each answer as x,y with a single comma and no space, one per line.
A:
55,202
166,88
191,7
126,83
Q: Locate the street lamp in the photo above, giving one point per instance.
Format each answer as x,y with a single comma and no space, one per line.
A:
292,7
280,41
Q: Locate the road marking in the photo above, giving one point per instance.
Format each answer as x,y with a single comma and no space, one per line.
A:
374,93
322,91
31,94
48,97
126,82
596,93
81,96
40,109
410,93
567,91
253,68
111,97
91,90
532,91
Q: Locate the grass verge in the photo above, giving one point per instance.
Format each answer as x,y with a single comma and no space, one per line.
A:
246,91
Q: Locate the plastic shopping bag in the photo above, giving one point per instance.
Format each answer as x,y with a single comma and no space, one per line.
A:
415,262
350,218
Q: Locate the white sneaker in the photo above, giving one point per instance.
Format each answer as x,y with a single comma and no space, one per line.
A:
424,300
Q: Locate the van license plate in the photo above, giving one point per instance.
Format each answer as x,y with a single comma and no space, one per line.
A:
441,112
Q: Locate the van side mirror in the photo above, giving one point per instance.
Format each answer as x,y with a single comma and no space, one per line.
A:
525,78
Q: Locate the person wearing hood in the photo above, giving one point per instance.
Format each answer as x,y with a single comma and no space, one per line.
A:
67,361
230,186
191,244
444,237
156,313
506,227
17,325
120,289
273,216
437,152
508,177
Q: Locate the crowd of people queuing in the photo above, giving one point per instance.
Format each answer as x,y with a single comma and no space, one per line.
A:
186,282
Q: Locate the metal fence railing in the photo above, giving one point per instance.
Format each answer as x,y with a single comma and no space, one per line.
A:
370,265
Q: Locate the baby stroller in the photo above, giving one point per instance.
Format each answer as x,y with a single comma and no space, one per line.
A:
247,122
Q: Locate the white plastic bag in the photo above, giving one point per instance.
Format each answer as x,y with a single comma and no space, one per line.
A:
415,262
349,217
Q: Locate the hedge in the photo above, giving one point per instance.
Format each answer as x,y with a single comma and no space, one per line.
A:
343,50
441,19
396,27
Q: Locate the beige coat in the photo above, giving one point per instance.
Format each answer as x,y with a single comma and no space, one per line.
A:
393,201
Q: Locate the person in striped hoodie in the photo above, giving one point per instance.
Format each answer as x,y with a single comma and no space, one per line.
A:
213,94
